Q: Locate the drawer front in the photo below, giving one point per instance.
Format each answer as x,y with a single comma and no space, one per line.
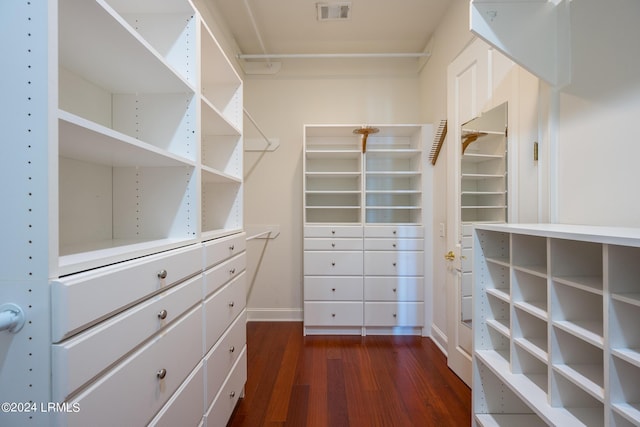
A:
132,392
467,229
327,288
401,263
394,314
390,244
218,250
339,231
222,308
222,273
399,288
221,409
82,357
186,406
222,357
466,259
73,299
401,231
333,263
333,313
316,244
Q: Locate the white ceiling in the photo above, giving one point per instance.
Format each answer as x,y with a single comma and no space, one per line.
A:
291,26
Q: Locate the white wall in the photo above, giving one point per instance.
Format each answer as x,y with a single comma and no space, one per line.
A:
448,41
273,191
597,147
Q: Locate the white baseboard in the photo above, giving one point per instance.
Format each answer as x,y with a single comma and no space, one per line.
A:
439,338
274,314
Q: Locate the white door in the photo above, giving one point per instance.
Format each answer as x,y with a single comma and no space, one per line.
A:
468,91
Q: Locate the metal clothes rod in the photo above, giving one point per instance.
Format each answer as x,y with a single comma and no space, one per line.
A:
331,55
256,125
257,236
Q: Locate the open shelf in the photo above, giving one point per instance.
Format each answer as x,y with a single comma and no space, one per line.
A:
575,304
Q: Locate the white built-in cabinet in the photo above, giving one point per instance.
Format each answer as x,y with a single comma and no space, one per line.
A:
363,230
556,340
128,158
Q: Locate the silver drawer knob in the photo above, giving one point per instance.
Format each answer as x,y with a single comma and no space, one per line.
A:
395,290
232,271
232,247
333,231
395,315
395,232
162,314
394,245
333,245
333,264
232,349
231,304
333,289
162,274
232,394
333,315
161,373
394,264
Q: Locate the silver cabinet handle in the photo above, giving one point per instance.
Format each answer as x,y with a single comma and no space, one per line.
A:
231,304
161,373
333,264
232,271
394,264
232,247
232,349
162,274
395,315
162,314
333,245
232,394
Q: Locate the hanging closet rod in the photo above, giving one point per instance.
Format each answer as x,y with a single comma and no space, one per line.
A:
256,125
332,55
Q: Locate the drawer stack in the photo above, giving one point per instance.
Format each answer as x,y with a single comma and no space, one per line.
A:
394,278
140,342
333,280
363,280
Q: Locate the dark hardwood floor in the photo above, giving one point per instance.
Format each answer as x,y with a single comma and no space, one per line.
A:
352,381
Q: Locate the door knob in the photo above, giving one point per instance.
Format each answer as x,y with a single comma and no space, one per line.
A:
450,256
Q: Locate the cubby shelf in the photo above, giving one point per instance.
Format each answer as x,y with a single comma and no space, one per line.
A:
572,336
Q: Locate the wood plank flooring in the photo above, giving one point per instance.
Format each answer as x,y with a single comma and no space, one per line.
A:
335,381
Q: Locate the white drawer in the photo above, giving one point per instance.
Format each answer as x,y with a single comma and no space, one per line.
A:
132,392
333,231
186,407
403,231
79,359
218,250
391,288
221,308
220,411
467,229
391,244
321,288
394,314
333,313
81,300
316,244
467,242
333,263
401,263
466,284
222,357
223,273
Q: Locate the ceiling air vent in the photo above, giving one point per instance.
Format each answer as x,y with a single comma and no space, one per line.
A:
334,11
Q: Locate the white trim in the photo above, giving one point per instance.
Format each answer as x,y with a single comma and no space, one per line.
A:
439,338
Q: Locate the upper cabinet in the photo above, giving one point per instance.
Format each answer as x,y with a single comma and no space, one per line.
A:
534,34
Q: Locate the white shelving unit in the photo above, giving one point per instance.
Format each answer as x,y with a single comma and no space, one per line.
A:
363,229
127,158
555,341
